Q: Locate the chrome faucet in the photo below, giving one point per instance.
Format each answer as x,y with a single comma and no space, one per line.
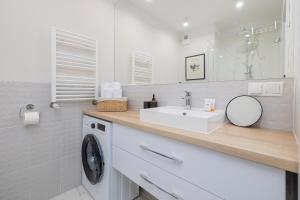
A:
187,98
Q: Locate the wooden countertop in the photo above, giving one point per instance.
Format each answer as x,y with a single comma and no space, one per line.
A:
274,148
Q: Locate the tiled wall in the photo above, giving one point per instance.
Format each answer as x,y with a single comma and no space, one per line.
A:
278,111
38,162
297,75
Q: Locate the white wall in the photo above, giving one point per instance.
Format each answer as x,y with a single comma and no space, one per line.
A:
137,31
200,42
45,159
25,35
297,73
226,56
231,57
297,68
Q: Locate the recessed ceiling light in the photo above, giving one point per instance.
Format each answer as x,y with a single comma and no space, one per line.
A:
148,0
239,4
247,35
185,24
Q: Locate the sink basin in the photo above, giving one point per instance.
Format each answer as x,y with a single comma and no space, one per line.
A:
196,119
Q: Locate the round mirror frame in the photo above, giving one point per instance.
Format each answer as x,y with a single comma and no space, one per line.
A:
244,96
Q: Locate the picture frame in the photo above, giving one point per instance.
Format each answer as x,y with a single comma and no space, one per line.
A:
195,67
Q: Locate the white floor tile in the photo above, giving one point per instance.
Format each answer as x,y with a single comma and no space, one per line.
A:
78,193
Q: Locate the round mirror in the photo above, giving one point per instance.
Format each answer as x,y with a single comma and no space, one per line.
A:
244,111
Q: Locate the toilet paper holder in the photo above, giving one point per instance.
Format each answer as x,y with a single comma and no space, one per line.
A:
28,107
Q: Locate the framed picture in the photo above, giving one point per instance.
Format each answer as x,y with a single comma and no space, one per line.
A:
195,67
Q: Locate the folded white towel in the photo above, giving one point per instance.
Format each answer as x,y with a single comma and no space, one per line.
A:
115,85
117,93
104,85
111,90
108,93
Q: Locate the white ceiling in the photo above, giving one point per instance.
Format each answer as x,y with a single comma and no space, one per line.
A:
205,13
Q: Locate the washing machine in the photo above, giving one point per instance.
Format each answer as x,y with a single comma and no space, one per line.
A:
96,157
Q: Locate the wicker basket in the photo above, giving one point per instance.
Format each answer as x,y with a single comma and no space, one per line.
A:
112,105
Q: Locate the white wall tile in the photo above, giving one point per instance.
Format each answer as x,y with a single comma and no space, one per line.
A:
15,186
44,180
277,110
41,161
70,172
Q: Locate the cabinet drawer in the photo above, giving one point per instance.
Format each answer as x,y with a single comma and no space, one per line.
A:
161,184
226,176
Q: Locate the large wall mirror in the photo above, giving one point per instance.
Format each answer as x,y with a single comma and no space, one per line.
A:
171,41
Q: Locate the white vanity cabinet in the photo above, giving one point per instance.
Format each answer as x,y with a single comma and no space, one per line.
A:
161,184
171,169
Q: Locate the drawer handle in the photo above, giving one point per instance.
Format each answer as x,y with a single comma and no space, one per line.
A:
174,195
173,158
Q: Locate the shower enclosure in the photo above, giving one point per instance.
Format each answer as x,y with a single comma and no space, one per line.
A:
253,52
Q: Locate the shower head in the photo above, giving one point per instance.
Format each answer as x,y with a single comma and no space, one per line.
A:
277,40
244,32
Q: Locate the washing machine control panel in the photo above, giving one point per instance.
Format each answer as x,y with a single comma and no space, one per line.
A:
101,127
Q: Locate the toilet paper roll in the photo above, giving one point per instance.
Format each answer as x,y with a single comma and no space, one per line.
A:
31,118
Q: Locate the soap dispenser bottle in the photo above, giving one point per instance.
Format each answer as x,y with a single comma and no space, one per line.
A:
151,104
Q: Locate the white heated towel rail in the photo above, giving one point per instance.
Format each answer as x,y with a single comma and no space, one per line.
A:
74,67
142,68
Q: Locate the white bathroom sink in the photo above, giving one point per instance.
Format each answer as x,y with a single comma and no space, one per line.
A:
196,119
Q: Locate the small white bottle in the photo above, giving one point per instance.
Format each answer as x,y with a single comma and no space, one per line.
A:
212,105
207,105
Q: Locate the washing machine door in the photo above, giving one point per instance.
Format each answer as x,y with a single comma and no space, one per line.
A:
92,159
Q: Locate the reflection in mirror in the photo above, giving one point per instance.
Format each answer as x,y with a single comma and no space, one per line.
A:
171,41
